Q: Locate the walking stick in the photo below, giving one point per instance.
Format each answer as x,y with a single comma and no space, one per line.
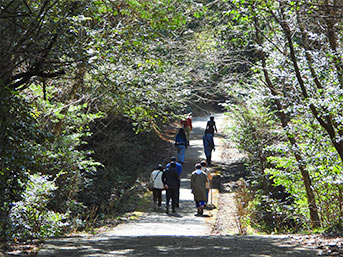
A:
211,205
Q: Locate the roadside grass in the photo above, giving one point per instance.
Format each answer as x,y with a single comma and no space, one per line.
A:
143,206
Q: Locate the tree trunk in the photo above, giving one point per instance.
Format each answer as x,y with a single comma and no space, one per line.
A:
327,123
331,128
311,200
330,14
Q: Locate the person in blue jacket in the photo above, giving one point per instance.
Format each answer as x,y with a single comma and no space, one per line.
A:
181,145
208,146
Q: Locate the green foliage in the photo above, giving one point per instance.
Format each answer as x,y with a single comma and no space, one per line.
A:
38,37
270,214
324,166
124,155
64,150
295,63
78,62
255,132
18,132
30,142
31,217
129,59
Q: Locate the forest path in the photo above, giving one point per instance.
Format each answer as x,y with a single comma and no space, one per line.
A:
155,233
183,222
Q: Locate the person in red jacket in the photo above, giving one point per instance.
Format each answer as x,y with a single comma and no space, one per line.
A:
187,125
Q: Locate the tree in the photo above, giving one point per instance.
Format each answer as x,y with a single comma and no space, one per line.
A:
284,122
34,37
300,67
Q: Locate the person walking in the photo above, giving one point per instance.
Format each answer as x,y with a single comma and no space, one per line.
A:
208,146
187,126
181,145
158,186
209,179
179,171
198,186
211,126
170,180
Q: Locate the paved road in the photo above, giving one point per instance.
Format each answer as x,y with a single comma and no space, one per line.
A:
187,246
184,234
183,223
157,223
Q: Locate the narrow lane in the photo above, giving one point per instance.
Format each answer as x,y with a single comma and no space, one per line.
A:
183,223
182,235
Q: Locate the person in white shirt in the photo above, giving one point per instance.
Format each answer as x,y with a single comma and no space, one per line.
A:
158,186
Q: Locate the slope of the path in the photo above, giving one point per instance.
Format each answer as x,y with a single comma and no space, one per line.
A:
157,223
183,234
184,222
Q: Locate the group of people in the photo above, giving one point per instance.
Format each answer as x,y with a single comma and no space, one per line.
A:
183,136
168,178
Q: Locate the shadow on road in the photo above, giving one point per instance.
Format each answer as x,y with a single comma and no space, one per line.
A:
178,246
158,234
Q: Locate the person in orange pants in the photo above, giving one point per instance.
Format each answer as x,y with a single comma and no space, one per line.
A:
187,125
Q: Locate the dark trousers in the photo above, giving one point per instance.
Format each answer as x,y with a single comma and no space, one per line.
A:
157,196
208,153
171,193
178,193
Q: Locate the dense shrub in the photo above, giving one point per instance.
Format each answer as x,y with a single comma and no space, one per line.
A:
325,168
279,197
80,173
28,147
31,217
270,206
125,155
18,133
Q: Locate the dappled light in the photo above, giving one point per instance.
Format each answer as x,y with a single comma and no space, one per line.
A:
248,246
96,96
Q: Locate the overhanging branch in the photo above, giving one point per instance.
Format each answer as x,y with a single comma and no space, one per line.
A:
25,77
